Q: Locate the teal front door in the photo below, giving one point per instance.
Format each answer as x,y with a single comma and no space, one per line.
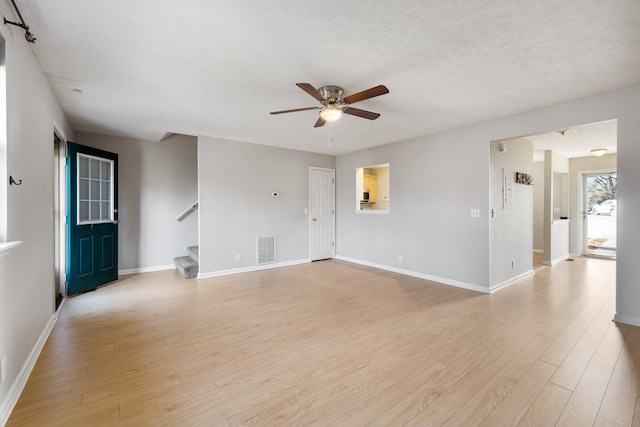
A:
92,184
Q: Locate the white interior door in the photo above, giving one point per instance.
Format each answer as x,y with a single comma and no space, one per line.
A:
321,213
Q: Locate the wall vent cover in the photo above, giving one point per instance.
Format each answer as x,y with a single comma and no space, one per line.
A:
266,249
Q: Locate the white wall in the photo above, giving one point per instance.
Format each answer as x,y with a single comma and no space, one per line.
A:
157,181
538,206
578,166
434,182
236,180
27,273
438,178
511,230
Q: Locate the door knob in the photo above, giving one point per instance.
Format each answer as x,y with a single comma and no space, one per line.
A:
314,219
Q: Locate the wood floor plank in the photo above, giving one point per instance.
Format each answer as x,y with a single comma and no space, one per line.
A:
573,366
334,343
548,406
475,410
636,413
515,405
583,406
619,400
508,376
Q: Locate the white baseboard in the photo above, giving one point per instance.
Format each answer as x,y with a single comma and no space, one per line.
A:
629,320
146,269
511,281
21,380
252,268
557,260
444,281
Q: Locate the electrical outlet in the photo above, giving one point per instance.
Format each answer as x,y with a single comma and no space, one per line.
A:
399,258
513,263
4,369
238,258
475,213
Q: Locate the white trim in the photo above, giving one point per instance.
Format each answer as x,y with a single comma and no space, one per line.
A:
510,281
146,269
254,268
442,280
629,320
6,247
21,380
557,260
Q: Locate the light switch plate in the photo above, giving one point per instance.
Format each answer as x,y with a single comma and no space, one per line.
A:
475,213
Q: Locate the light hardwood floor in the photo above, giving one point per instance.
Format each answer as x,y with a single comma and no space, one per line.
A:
333,343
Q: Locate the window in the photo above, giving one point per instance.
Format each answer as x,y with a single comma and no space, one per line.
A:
372,189
95,190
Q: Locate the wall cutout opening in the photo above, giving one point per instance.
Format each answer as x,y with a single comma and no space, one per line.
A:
372,189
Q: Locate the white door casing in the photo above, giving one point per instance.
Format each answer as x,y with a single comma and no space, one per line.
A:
321,213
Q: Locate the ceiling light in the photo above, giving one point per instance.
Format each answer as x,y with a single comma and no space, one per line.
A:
330,113
598,151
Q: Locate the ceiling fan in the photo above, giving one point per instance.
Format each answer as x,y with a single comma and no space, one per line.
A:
333,104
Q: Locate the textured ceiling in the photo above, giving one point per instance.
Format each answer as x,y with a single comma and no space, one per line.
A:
577,141
217,68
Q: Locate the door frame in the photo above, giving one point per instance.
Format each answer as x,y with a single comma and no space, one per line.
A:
582,214
310,210
59,211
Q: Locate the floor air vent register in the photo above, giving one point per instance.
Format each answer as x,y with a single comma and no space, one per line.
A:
266,249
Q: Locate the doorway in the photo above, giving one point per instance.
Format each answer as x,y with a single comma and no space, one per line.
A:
600,225
321,213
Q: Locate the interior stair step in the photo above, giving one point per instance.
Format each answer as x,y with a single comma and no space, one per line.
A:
187,266
193,252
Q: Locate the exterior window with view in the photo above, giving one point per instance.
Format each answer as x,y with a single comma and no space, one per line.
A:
601,215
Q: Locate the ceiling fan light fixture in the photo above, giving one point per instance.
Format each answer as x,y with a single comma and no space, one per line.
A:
598,152
330,113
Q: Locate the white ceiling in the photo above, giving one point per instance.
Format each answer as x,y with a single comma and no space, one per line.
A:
576,141
217,68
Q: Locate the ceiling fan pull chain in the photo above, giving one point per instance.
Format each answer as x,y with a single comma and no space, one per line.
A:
331,140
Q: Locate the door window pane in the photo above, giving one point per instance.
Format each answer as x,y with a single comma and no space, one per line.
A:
83,211
104,191
83,192
95,189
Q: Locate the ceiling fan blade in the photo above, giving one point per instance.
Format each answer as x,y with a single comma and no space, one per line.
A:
293,111
366,94
311,91
320,122
360,113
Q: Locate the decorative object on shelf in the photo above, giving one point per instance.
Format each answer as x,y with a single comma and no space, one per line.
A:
13,181
598,152
524,178
28,35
